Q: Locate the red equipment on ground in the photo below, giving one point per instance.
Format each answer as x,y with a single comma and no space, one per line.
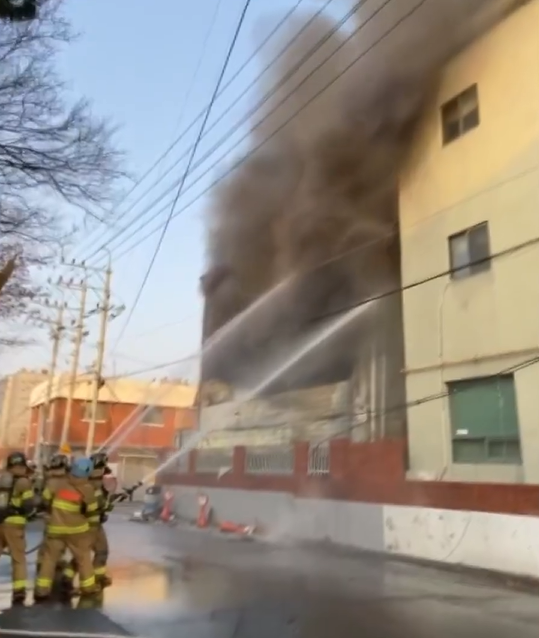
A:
203,518
167,511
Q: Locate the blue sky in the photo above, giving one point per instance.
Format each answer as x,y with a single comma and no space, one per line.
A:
136,65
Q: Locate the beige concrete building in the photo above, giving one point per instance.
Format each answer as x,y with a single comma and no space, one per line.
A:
469,198
15,406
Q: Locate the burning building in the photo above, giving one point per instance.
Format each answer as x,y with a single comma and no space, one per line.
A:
306,227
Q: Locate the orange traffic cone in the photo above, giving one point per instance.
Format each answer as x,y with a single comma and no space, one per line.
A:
166,512
203,518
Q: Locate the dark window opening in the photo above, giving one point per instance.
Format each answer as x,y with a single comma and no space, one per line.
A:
460,114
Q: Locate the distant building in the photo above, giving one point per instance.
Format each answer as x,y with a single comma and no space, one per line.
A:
469,198
15,391
138,449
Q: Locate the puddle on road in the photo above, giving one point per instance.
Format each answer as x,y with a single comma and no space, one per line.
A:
187,587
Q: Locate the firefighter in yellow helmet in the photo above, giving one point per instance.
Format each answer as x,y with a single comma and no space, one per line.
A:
70,503
56,470
16,505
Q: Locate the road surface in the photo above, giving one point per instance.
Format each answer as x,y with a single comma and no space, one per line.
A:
177,582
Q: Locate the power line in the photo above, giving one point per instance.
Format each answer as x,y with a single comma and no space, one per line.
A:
427,280
186,172
256,148
240,123
426,399
400,289
182,135
196,72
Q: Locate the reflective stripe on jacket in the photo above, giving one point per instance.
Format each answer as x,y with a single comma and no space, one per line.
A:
71,503
23,499
52,480
101,495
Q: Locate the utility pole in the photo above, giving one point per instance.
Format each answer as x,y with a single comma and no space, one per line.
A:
104,309
77,342
43,425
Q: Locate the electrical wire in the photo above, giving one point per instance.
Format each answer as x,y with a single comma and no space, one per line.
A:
263,100
179,138
201,57
191,89
258,146
426,399
186,172
507,252
368,244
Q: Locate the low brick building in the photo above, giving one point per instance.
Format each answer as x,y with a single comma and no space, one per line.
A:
136,444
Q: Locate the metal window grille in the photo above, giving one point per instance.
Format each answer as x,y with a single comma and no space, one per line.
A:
318,459
213,461
269,460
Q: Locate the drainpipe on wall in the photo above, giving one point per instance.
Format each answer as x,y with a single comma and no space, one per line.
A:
446,425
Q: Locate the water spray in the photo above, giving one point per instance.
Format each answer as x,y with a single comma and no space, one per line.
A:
312,344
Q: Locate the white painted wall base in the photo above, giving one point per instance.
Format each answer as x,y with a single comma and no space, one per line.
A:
495,542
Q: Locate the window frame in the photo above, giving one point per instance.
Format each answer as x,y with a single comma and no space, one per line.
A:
456,103
153,424
481,264
487,440
87,412
183,436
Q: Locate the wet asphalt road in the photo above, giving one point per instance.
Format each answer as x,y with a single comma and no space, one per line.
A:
176,582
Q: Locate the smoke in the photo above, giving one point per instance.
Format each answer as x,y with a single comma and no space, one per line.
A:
319,200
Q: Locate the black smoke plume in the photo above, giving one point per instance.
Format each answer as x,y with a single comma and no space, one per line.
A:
319,200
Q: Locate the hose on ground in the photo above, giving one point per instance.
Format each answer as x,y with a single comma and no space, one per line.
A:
6,552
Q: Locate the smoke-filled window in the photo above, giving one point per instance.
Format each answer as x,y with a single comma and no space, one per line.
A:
460,114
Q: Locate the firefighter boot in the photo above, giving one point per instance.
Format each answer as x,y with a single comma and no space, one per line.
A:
18,597
67,589
103,581
40,598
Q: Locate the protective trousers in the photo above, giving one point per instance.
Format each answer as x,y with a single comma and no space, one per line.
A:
59,567
100,547
101,552
54,546
13,538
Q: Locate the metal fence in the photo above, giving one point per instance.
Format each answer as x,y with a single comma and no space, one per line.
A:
213,461
269,460
318,459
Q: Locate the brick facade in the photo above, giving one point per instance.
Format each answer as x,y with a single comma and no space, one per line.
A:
369,473
116,414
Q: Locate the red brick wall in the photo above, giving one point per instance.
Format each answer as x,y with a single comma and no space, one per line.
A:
372,473
143,435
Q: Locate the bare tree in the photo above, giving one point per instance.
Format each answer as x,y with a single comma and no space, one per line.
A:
51,153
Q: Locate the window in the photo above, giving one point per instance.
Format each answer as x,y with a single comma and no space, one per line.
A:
182,438
153,416
101,412
460,115
484,420
469,252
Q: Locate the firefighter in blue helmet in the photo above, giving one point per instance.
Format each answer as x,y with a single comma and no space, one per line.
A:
70,503
100,543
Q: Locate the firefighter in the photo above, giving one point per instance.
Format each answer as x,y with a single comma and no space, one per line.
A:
100,543
70,503
56,470
104,498
16,505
